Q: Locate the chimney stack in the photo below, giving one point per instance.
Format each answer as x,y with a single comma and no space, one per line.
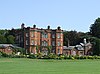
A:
48,27
58,28
34,26
22,26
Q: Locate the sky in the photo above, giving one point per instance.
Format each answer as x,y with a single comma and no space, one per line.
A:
68,14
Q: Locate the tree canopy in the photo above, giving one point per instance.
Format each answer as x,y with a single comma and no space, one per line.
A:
95,28
6,37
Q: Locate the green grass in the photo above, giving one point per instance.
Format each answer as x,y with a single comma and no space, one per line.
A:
33,66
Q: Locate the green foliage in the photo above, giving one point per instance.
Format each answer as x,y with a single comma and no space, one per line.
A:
49,49
33,56
2,39
95,28
10,39
96,45
6,37
72,37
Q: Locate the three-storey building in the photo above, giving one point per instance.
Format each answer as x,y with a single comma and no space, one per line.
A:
36,40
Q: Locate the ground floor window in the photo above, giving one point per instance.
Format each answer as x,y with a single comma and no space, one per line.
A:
58,51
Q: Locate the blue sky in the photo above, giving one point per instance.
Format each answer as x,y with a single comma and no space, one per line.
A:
69,14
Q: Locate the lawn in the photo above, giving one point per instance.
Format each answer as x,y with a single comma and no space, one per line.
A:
34,66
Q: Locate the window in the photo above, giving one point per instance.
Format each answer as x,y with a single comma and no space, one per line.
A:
58,35
44,43
32,35
26,42
74,53
44,35
53,35
59,43
26,34
35,42
58,51
53,43
32,43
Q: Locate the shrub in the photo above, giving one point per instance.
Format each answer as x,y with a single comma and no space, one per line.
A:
61,57
39,56
0,54
32,56
90,57
4,54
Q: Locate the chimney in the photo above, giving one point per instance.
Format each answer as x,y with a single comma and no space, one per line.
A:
22,26
34,26
58,28
48,27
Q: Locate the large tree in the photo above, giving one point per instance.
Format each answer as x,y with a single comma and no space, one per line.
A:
10,39
2,39
95,28
72,37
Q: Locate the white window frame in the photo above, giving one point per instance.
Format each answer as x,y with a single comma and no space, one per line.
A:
59,43
53,43
58,35
32,42
26,34
26,42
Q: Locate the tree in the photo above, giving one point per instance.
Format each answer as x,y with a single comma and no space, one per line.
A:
2,39
10,39
95,28
96,45
72,37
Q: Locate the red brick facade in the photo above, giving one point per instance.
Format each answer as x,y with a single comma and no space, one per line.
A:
33,38
7,50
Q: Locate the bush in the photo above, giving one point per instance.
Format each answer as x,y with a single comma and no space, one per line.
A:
90,57
53,56
32,56
39,56
0,54
61,57
4,54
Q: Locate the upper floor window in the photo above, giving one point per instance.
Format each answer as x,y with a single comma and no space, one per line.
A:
32,34
53,43
26,34
58,35
26,42
59,44
44,43
32,42
44,35
53,35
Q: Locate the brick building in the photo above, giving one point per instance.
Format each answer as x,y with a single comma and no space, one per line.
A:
35,40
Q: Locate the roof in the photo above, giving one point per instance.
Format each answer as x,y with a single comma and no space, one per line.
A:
8,45
79,47
69,47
